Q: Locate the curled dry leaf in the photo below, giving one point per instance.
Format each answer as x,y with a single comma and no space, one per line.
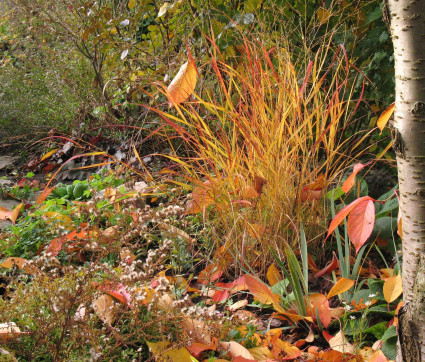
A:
339,343
236,350
172,231
237,305
105,308
197,329
184,83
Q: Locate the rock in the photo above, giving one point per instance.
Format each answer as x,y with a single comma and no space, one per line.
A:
7,162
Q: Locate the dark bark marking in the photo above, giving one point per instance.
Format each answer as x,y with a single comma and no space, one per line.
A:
418,107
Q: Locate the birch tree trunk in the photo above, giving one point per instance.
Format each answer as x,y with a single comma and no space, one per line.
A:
408,34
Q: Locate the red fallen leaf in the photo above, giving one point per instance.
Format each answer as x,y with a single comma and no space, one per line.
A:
327,335
334,264
364,217
349,182
56,244
229,288
118,291
220,295
360,223
32,165
210,274
21,182
197,348
311,264
49,167
47,191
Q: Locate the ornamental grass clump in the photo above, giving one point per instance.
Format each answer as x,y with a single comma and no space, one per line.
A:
262,139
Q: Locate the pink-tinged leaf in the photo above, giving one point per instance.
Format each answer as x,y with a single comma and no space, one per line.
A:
339,218
320,303
334,264
385,116
360,223
349,182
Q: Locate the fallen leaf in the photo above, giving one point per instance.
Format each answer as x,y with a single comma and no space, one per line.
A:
127,256
197,348
197,329
262,292
21,263
385,116
163,9
184,83
261,353
210,274
236,350
163,351
46,192
378,356
8,331
340,286
334,264
339,343
105,308
273,275
349,182
48,154
320,304
239,304
15,213
283,350
392,288
4,213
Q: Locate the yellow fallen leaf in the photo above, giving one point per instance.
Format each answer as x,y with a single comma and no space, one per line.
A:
164,352
48,154
340,286
237,305
392,288
184,83
385,116
131,4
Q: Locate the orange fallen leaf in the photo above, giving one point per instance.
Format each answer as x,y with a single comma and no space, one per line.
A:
4,213
273,275
183,84
385,116
378,356
15,213
340,286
